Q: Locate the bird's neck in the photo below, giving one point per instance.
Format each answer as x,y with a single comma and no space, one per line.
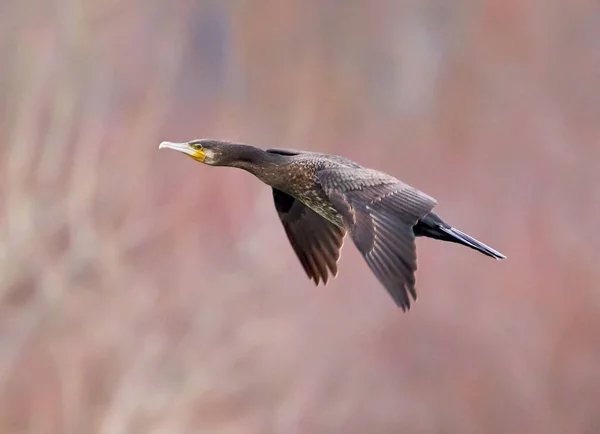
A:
258,162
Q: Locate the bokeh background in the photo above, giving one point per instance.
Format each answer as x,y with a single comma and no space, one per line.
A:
141,292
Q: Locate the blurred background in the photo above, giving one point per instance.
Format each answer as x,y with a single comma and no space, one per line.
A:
141,292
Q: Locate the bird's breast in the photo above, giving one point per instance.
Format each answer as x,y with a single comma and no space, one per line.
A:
299,179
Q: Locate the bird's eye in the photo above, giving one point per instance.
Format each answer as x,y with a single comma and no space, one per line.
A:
196,145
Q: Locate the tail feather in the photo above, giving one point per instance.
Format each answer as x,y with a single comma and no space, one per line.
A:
434,227
472,242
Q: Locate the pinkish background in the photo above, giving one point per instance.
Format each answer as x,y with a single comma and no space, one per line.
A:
141,292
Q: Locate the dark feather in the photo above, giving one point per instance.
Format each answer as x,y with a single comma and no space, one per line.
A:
316,241
433,226
380,212
288,152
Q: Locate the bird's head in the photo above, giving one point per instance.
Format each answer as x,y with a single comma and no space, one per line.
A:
207,151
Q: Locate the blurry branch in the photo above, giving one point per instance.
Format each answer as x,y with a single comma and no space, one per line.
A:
144,132
145,229
25,242
72,44
254,243
83,183
132,387
20,158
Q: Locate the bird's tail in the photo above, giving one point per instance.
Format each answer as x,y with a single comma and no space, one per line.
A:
434,227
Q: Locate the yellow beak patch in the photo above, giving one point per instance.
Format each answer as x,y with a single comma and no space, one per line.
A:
196,153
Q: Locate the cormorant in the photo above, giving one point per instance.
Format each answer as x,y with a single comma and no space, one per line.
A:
319,197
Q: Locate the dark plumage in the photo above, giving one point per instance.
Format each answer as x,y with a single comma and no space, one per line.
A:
320,197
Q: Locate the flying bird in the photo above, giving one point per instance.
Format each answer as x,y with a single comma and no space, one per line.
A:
321,197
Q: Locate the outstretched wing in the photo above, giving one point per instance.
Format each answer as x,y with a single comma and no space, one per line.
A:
316,241
380,212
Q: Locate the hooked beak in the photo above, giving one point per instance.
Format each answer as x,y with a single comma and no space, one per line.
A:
196,154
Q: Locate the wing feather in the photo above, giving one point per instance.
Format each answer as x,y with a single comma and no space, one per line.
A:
380,212
316,241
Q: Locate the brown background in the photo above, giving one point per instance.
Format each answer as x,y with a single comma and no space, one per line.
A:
141,292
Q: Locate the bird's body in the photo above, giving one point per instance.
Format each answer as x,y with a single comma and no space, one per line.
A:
300,180
321,197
